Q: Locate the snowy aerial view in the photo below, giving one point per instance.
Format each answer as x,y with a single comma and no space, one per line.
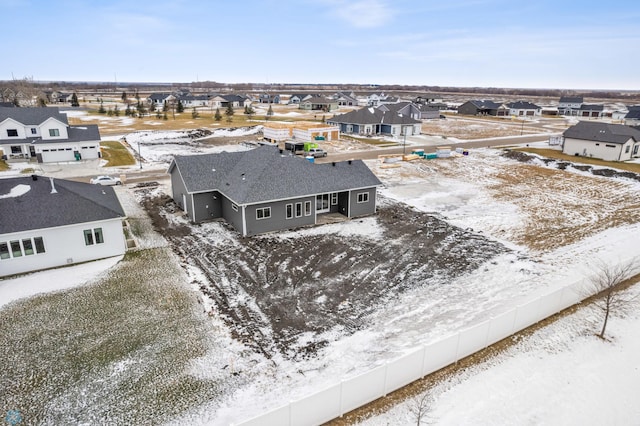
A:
363,212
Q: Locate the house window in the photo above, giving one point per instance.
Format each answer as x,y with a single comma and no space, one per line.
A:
34,131
627,149
93,236
4,251
307,208
16,250
334,199
234,207
363,197
88,237
98,234
27,244
610,146
263,213
16,150
39,245
54,132
289,211
12,132
298,209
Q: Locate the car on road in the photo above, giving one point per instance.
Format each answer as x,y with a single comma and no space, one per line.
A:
316,152
106,180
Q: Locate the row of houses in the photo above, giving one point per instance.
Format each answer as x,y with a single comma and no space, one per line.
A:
48,223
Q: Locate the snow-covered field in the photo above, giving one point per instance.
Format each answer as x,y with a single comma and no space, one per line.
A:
539,381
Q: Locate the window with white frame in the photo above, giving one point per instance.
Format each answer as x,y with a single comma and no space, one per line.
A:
234,207
263,213
334,198
93,236
363,197
298,209
288,211
12,133
34,131
307,208
54,132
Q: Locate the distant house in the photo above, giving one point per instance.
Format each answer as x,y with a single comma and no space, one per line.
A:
588,110
192,101
376,121
570,105
319,103
268,98
524,109
262,190
48,223
632,117
483,107
45,134
429,98
159,99
296,98
345,99
610,142
415,111
299,131
236,101
377,99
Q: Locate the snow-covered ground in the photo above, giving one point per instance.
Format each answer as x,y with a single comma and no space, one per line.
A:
560,375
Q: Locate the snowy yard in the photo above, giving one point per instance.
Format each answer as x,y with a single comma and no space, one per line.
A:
136,344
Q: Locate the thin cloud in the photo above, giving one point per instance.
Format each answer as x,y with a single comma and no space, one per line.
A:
362,13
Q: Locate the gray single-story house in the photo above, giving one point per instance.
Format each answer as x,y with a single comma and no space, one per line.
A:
609,142
264,190
377,121
483,107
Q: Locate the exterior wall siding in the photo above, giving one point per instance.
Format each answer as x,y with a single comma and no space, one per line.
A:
178,189
206,206
230,214
602,150
278,219
64,246
362,209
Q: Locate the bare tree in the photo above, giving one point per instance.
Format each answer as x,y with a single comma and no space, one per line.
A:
420,407
606,284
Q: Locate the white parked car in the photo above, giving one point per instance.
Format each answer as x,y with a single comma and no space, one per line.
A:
106,180
317,152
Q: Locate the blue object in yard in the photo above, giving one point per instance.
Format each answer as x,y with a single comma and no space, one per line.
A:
311,158
431,156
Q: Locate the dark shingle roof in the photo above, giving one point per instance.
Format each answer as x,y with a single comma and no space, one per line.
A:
522,105
591,107
602,132
32,116
263,174
571,99
372,115
634,113
38,208
485,104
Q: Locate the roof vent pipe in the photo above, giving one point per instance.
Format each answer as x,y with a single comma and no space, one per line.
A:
34,177
53,187
333,163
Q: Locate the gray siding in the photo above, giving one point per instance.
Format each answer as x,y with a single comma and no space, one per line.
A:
278,219
468,108
230,215
177,188
363,209
207,205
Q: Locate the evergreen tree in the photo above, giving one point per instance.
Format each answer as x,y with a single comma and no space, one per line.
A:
252,112
116,111
179,107
165,107
269,112
217,116
74,100
194,113
42,102
101,110
229,111
124,96
164,117
141,109
109,112
152,107
127,112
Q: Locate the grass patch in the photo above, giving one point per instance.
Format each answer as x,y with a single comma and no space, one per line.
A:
116,154
115,352
28,170
552,153
3,166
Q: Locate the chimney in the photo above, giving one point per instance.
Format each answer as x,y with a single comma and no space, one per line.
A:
53,187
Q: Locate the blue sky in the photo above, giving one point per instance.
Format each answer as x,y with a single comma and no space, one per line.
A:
486,43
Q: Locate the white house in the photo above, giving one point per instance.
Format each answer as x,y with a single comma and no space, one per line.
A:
276,132
524,109
48,223
609,142
45,134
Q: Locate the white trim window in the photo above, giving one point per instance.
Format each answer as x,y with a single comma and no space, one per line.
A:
288,211
19,248
234,207
93,236
298,209
263,213
363,197
307,208
334,198
54,132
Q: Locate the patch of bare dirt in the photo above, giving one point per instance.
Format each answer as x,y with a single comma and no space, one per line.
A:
273,291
